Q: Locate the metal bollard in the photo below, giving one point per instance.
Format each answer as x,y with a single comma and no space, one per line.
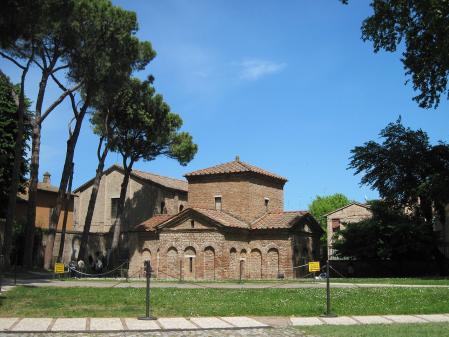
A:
328,295
148,270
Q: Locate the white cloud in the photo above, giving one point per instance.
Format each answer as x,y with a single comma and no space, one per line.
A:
253,69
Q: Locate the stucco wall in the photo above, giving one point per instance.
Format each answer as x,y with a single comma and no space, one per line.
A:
143,200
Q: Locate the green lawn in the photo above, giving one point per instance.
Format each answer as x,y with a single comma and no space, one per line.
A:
107,302
380,330
402,281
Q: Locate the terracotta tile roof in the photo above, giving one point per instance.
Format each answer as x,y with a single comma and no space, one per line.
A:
278,220
47,187
235,166
367,206
222,217
267,221
40,187
151,223
172,183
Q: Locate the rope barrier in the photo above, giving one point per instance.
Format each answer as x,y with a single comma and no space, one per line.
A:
97,275
304,265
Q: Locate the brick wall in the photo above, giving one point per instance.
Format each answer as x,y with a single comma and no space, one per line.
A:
215,254
242,195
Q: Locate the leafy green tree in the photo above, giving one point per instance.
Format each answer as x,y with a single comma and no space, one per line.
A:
422,27
8,136
406,170
410,174
35,32
145,130
389,235
103,52
324,204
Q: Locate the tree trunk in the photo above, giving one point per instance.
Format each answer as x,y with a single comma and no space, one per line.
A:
92,201
66,213
18,151
114,252
71,144
34,173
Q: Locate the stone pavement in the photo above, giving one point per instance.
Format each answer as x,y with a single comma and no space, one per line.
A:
122,326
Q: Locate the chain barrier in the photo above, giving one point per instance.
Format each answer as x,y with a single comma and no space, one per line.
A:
96,275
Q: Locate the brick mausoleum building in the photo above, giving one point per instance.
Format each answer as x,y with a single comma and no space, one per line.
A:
234,224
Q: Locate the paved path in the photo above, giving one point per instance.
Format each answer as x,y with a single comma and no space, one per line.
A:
22,326
122,283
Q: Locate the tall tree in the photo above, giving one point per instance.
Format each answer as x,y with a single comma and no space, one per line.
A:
42,38
422,26
10,133
104,51
389,235
146,130
408,172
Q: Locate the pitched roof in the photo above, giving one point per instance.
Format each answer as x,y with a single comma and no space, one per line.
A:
281,220
278,220
151,223
367,206
222,218
235,166
172,183
40,187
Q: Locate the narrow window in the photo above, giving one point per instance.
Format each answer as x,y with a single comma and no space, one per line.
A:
335,225
114,207
181,207
267,201
218,203
163,209
192,224
191,264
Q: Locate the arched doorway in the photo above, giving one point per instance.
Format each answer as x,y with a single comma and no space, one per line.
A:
209,263
189,265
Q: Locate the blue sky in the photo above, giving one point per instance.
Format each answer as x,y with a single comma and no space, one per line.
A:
288,86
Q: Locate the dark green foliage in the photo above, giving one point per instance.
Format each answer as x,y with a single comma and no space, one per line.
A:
388,235
422,26
101,47
406,170
8,130
145,127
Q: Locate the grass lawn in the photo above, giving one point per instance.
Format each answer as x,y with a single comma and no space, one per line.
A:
166,302
380,330
402,281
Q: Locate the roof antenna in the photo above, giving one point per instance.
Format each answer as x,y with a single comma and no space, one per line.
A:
237,158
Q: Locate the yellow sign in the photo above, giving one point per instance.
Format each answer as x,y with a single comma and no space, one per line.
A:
314,266
59,268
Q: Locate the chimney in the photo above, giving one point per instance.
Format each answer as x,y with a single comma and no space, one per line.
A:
47,176
237,158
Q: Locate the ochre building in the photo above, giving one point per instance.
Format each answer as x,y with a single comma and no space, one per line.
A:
234,226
